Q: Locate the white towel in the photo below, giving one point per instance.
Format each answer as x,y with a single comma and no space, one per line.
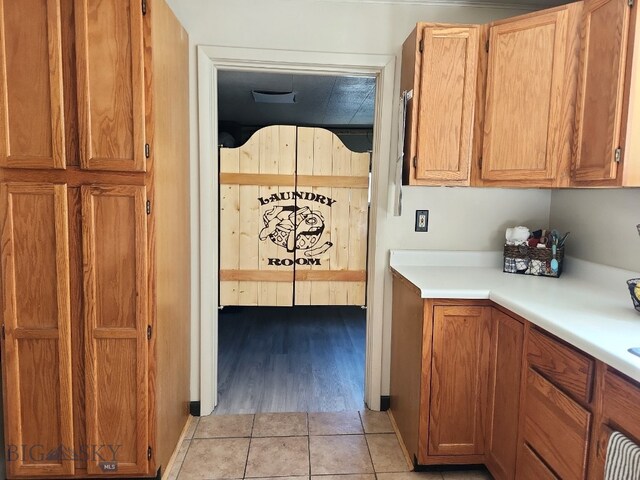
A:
623,459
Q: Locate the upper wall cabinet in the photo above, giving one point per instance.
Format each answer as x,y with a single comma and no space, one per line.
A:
31,108
110,69
529,99
601,115
439,67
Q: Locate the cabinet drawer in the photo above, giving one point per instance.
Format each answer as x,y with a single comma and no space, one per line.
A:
620,407
567,368
530,467
556,427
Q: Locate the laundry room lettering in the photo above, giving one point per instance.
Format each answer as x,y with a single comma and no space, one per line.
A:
309,196
295,228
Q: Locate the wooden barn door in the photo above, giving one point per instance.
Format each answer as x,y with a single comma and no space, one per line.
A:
293,220
332,183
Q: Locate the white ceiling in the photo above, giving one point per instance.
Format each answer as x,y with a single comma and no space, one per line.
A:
321,100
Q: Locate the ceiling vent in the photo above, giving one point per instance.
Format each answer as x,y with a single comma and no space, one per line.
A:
261,96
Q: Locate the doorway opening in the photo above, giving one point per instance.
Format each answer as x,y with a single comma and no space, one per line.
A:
294,196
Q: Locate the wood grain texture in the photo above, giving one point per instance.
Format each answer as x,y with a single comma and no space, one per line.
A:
116,319
631,108
77,323
32,129
567,368
615,410
321,155
528,104
410,71
505,370
532,468
36,315
406,362
444,129
72,176
170,234
300,180
602,74
621,399
110,71
244,217
555,426
459,379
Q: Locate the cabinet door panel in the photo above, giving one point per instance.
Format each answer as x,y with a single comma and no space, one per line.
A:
504,394
31,109
605,31
459,369
524,98
115,292
109,52
37,348
447,98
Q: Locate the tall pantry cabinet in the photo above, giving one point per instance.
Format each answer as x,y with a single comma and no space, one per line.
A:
94,236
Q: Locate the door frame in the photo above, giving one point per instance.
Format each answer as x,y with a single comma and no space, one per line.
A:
213,58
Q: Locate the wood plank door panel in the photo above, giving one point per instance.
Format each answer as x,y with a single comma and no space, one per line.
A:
110,70
525,80
31,105
36,315
459,379
257,184
605,34
504,394
446,103
333,205
116,346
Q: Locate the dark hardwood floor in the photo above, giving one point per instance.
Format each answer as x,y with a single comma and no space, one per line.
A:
299,359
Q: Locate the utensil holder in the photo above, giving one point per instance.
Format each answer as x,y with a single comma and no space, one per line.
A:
525,260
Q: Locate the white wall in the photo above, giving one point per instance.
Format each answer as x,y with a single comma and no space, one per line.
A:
468,219
602,223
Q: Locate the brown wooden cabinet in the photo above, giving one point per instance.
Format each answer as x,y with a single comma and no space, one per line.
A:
459,379
440,68
505,369
556,406
440,376
607,31
96,341
110,69
36,322
31,107
528,117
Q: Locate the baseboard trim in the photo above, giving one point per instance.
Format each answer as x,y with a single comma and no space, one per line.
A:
194,408
385,402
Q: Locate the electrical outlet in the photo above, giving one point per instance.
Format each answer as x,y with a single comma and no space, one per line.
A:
422,220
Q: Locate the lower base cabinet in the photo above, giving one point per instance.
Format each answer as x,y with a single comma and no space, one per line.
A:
472,383
504,393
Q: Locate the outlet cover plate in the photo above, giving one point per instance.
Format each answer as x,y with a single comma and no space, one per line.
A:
422,221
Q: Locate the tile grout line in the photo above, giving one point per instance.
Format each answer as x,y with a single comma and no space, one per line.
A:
246,462
189,440
309,444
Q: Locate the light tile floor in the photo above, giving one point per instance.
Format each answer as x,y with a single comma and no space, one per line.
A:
298,446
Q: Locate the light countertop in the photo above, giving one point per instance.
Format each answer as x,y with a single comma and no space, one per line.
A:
589,306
